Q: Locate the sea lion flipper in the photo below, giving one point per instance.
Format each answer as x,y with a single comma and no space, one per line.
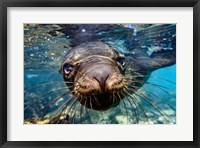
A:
159,59
164,58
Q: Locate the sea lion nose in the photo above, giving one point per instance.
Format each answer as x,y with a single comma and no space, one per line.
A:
102,80
101,73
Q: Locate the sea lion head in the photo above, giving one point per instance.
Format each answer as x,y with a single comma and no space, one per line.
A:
96,71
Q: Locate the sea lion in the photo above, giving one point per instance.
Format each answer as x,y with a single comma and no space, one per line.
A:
102,75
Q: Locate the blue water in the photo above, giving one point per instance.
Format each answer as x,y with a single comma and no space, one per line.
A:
43,54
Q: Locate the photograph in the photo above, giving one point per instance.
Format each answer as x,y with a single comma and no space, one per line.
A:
99,73
86,73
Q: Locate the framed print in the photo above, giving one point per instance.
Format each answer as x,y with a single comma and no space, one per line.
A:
114,73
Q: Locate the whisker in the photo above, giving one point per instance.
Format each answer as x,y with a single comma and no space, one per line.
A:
138,103
43,96
134,107
143,111
96,100
71,106
162,88
43,113
49,105
85,103
111,97
151,76
73,116
64,106
134,110
57,82
158,98
81,111
154,104
91,102
156,85
163,79
125,109
124,105
136,75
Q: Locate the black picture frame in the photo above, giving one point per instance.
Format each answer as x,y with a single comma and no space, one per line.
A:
4,4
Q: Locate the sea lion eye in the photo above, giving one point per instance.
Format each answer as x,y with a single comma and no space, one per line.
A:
68,68
121,61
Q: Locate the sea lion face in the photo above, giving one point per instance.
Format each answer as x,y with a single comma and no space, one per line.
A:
97,75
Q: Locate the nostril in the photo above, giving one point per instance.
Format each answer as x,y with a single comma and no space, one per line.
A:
102,80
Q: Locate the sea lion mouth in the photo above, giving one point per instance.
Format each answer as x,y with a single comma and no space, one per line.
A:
99,95
98,83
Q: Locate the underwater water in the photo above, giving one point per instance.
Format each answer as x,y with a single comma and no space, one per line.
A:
44,49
